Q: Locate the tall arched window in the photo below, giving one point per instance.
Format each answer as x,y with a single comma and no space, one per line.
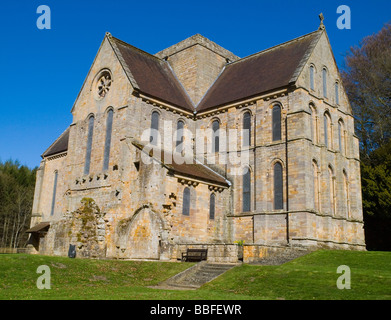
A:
312,77
346,191
324,77
247,129
314,124
179,136
336,86
87,162
341,135
278,187
327,130
276,123
215,137
246,201
54,192
212,206
186,202
153,137
109,129
332,189
316,185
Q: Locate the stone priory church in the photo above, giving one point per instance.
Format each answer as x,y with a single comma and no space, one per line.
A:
194,147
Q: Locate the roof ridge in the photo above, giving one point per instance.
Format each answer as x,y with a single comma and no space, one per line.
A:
275,47
135,48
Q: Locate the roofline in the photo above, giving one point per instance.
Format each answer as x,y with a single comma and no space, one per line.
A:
274,47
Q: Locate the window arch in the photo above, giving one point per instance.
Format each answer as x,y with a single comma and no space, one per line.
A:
346,192
212,206
215,136
312,77
54,193
87,162
332,189
179,136
276,122
324,77
153,138
247,129
278,186
186,202
316,184
246,189
109,129
327,130
314,124
341,135
336,88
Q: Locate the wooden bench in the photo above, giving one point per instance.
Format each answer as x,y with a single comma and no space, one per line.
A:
193,255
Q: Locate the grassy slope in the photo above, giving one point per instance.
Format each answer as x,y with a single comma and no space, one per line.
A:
311,277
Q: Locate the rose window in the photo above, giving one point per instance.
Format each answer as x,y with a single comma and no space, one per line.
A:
104,84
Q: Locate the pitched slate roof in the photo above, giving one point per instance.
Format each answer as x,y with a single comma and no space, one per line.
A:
191,169
265,71
58,146
151,75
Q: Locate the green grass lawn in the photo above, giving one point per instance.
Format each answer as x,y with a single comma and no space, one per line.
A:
310,277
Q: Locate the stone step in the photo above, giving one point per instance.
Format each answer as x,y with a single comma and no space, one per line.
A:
196,276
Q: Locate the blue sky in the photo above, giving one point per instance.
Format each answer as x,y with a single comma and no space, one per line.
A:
43,70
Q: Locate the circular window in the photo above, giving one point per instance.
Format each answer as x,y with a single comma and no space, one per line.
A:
103,85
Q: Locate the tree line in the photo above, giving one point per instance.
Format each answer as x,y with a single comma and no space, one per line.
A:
16,200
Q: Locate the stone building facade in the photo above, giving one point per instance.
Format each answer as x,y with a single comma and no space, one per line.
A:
111,185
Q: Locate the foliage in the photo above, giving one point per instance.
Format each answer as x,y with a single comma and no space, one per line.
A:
367,80
16,199
313,276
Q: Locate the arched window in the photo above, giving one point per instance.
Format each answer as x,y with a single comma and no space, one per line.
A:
341,135
247,129
87,162
246,205
276,121
153,138
215,137
186,202
314,124
109,129
54,192
327,130
346,190
212,206
316,185
179,136
324,76
332,189
278,187
336,86
312,79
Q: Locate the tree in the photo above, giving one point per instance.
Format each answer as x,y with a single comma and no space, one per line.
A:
367,80
16,199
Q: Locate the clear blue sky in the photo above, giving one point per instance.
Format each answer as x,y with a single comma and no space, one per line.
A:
43,70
